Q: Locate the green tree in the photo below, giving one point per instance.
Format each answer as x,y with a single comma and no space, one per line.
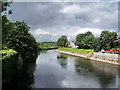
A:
67,44
21,45
20,40
5,5
62,41
107,40
97,45
88,42
80,37
16,36
7,28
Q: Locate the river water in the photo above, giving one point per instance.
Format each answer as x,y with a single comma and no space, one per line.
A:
55,70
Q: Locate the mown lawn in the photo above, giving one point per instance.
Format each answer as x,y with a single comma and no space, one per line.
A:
81,51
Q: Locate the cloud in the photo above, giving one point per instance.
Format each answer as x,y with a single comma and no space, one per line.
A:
53,19
44,36
95,31
40,31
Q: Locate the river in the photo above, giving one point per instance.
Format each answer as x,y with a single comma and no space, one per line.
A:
55,70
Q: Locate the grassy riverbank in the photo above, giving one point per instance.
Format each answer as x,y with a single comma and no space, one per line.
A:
74,50
47,46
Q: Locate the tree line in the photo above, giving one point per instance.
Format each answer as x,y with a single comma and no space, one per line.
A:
18,44
106,40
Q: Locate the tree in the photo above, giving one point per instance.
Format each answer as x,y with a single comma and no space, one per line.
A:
5,5
97,46
20,40
88,42
80,37
67,44
16,36
62,41
7,28
107,40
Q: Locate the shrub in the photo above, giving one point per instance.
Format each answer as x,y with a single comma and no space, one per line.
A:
11,63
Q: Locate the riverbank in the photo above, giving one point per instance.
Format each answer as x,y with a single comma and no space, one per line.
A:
87,56
75,50
47,46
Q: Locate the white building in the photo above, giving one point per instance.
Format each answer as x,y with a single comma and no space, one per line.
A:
73,45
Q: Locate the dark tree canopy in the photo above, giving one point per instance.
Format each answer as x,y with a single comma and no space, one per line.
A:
62,42
21,41
16,36
88,42
107,40
80,37
5,5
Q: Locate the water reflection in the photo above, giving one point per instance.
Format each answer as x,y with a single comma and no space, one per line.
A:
54,70
24,80
105,73
75,72
42,51
62,60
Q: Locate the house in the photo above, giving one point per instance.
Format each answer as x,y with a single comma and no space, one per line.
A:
72,45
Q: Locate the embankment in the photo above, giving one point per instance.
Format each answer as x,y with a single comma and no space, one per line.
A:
101,57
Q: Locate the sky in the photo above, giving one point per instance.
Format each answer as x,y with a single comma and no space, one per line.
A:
50,20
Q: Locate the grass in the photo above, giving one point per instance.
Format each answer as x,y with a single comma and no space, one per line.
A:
74,50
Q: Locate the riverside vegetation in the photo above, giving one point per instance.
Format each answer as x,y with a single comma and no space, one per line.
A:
80,51
47,45
19,47
107,41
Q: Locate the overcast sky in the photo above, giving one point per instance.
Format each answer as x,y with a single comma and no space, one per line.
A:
50,20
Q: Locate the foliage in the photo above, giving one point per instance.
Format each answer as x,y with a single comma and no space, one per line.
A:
67,44
19,46
80,37
88,42
107,40
46,46
7,28
97,45
62,41
81,51
21,40
114,49
5,5
11,63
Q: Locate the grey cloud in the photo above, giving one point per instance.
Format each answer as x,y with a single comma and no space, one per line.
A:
65,18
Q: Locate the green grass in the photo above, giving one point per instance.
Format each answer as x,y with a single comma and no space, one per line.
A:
74,50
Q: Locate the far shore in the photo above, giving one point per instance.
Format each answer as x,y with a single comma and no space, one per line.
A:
86,56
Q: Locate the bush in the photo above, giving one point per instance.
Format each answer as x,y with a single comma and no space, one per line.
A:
114,49
11,63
